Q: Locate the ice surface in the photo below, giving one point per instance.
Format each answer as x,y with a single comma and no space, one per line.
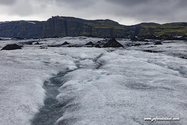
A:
96,86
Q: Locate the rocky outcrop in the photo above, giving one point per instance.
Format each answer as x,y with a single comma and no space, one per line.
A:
89,44
158,43
11,47
97,46
113,43
65,43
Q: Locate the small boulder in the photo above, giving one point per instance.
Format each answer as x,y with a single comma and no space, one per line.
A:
65,43
112,43
158,43
59,45
37,43
11,47
133,38
89,44
43,47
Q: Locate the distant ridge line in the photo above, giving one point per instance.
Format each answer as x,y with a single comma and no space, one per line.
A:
61,26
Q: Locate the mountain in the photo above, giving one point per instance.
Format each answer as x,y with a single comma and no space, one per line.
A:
59,26
69,26
23,29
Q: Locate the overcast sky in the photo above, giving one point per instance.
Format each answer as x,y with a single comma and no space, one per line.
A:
127,12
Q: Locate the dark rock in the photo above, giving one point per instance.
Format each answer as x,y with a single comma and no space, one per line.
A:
59,45
100,43
65,43
34,38
180,55
43,47
158,43
11,47
28,42
37,43
76,45
152,51
137,44
146,40
90,44
146,44
97,46
113,43
133,38
151,47
184,37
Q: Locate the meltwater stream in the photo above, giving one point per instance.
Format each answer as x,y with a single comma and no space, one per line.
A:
51,111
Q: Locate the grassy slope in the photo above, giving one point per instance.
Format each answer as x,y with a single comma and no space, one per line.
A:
169,28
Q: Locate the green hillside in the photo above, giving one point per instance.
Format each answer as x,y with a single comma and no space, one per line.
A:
169,29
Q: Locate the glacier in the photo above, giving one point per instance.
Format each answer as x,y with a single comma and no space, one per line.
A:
93,86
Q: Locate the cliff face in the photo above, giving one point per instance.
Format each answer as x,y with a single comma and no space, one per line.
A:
70,26
62,26
53,27
67,26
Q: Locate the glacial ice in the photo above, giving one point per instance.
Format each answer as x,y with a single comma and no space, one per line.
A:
100,86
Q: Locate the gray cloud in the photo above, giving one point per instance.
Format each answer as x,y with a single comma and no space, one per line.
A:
151,10
21,8
120,10
76,4
7,2
128,2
